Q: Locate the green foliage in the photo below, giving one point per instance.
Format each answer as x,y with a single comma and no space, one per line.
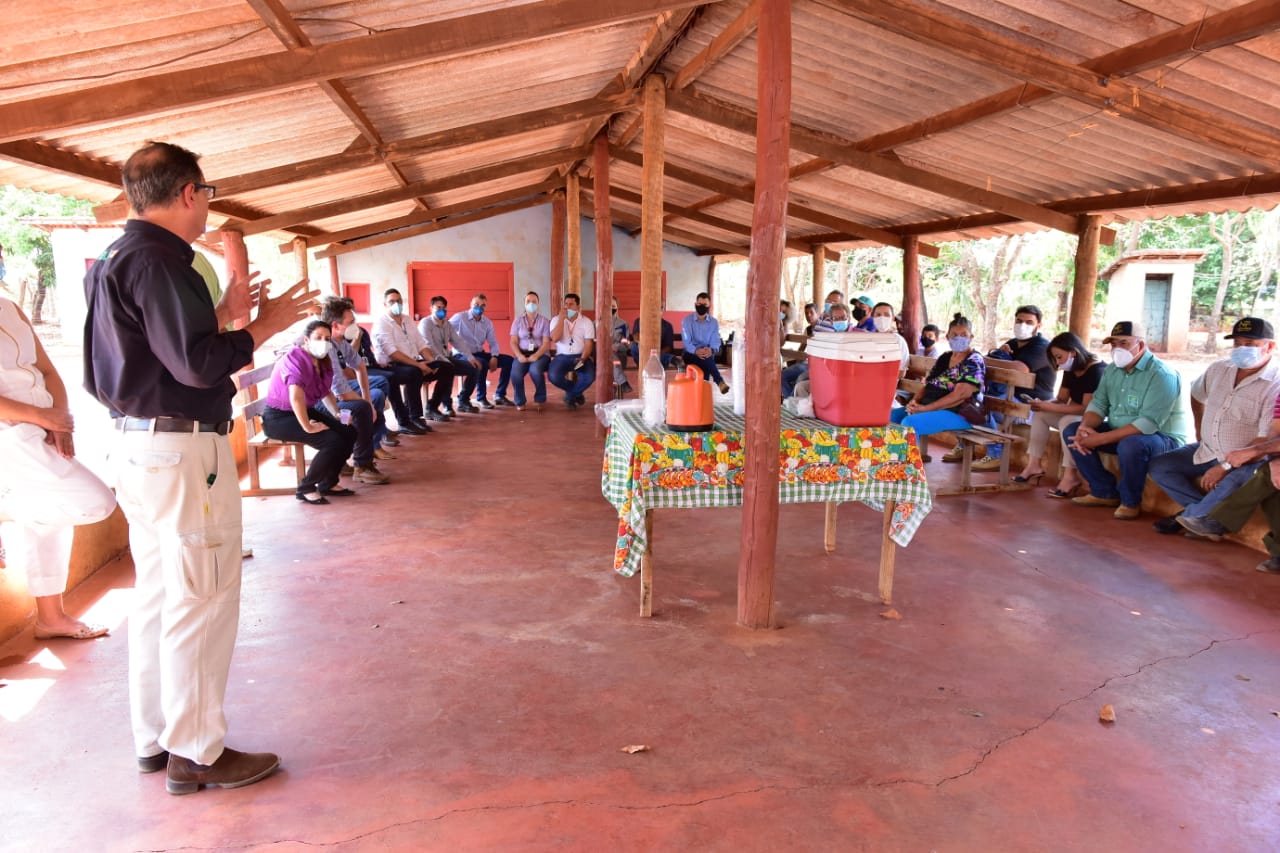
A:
25,245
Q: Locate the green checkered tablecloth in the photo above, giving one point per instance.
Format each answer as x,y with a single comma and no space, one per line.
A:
653,468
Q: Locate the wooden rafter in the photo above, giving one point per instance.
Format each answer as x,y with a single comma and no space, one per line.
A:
697,242
421,217
64,162
1225,28
416,146
240,78
746,192
1078,82
531,163
844,153
437,225
286,29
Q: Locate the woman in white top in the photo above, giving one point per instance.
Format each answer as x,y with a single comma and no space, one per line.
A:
44,491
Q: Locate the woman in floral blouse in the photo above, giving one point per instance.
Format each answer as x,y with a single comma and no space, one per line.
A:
951,397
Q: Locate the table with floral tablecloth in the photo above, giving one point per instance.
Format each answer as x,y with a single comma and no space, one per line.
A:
647,468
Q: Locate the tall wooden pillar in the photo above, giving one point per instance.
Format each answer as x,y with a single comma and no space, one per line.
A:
604,268
236,256
300,261
819,276
655,126
912,293
759,537
1086,280
335,280
573,235
557,253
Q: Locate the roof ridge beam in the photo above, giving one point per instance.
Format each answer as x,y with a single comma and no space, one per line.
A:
437,225
239,78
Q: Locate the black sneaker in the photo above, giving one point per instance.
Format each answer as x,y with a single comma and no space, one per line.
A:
437,416
423,425
1167,525
502,401
411,429
580,400
484,404
468,408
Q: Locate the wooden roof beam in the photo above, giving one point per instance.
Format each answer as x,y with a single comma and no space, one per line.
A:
534,162
1225,28
846,154
747,193
286,29
240,78
30,152
739,29
416,146
422,217
437,225
1078,82
696,242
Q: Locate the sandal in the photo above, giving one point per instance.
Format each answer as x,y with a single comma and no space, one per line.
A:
83,631
339,492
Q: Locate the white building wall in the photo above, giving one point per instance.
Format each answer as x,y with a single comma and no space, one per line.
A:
1127,293
522,238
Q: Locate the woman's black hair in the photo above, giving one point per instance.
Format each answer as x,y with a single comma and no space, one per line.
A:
1072,343
315,324
959,320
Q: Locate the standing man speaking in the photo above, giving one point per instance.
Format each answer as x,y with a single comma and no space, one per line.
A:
156,355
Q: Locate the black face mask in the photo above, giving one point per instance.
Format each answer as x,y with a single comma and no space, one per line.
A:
927,343
615,312
702,309
859,313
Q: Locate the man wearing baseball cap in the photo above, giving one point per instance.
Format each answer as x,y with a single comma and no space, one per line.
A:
1234,401
1137,413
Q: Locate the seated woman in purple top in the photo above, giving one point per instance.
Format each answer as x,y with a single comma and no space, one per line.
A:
299,384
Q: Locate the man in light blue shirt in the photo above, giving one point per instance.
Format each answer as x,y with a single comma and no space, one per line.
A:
476,330
1138,412
700,335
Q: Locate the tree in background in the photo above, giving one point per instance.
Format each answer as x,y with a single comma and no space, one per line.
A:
28,251
1227,228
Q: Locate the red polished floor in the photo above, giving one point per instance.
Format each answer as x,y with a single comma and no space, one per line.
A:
448,663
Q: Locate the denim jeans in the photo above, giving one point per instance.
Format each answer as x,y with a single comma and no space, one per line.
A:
537,371
791,375
481,381
562,364
706,365
1179,476
1135,453
362,423
378,387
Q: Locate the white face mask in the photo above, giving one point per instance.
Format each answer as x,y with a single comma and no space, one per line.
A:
1067,363
1247,358
351,333
1023,331
883,324
1121,358
958,343
318,348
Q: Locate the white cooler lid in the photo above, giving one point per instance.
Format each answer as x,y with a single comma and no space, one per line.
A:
855,346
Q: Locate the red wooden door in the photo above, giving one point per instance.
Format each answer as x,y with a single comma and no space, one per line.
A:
458,282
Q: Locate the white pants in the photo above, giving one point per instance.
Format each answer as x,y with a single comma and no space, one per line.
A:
181,495
1040,425
44,497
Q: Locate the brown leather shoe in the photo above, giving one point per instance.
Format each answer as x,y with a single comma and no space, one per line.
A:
233,769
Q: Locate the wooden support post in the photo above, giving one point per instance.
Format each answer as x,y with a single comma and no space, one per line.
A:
557,253
757,553
655,123
300,259
912,293
888,551
829,529
573,237
335,280
604,269
1086,279
819,276
236,256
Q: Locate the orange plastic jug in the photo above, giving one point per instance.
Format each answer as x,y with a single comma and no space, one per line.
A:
689,402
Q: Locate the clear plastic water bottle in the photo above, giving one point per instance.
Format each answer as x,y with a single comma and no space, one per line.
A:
655,390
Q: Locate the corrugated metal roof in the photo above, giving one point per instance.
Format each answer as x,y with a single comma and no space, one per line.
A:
497,85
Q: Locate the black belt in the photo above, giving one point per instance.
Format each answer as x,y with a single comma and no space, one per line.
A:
172,425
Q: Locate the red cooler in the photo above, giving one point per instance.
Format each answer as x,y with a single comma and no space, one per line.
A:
853,376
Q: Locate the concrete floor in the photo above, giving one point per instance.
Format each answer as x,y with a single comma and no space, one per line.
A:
448,663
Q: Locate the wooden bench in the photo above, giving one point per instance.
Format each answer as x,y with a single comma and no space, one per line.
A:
249,403
1009,406
792,354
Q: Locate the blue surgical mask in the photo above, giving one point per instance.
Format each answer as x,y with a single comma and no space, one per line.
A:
571,313
531,307
826,308
959,343
397,308
441,313
840,325
782,315
1247,358
477,310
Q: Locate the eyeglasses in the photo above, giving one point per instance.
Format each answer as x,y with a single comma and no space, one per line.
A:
210,190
